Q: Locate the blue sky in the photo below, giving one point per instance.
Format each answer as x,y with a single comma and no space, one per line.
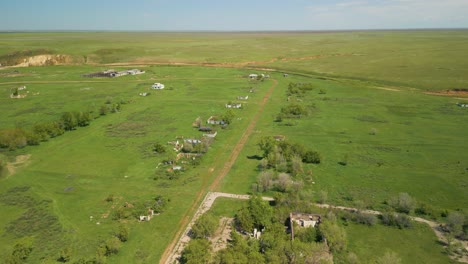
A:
225,15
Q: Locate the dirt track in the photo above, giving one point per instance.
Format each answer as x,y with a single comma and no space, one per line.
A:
174,248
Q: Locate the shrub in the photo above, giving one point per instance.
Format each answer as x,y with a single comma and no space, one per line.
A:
403,203
311,157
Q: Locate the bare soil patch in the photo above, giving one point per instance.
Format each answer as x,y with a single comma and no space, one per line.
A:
20,161
462,93
222,235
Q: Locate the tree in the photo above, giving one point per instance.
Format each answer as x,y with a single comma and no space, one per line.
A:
455,221
265,180
228,116
284,182
296,165
266,145
196,252
335,235
204,227
83,118
69,121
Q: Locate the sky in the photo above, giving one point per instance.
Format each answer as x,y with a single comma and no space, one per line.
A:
231,15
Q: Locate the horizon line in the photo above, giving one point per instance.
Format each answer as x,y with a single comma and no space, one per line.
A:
230,31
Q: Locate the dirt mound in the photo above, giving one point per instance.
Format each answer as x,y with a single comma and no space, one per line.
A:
45,59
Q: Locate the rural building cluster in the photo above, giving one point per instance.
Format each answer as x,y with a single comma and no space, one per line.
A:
113,73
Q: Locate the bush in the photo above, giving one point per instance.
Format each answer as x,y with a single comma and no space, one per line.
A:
395,219
403,203
311,156
366,219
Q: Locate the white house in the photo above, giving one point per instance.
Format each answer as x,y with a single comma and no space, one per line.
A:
157,86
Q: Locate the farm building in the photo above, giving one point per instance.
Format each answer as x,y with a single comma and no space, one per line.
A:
213,120
243,97
303,220
114,73
157,86
233,105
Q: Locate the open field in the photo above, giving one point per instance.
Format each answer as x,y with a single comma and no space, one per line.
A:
373,114
420,59
79,169
392,141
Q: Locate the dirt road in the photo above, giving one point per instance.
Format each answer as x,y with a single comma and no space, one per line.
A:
174,248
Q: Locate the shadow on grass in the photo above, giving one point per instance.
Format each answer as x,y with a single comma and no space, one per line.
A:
255,157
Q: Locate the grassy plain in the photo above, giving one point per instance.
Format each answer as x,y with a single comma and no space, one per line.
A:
78,170
374,81
421,59
417,147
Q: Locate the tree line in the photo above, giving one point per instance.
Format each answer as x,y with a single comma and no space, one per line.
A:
19,137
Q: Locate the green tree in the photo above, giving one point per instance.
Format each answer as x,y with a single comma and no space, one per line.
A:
228,116
266,145
196,252
69,121
335,235
311,156
204,227
455,221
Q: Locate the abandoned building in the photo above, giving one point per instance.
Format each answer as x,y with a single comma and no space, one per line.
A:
213,120
113,73
303,220
233,105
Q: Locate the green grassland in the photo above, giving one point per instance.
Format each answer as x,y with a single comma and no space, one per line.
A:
75,172
418,146
392,141
420,59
